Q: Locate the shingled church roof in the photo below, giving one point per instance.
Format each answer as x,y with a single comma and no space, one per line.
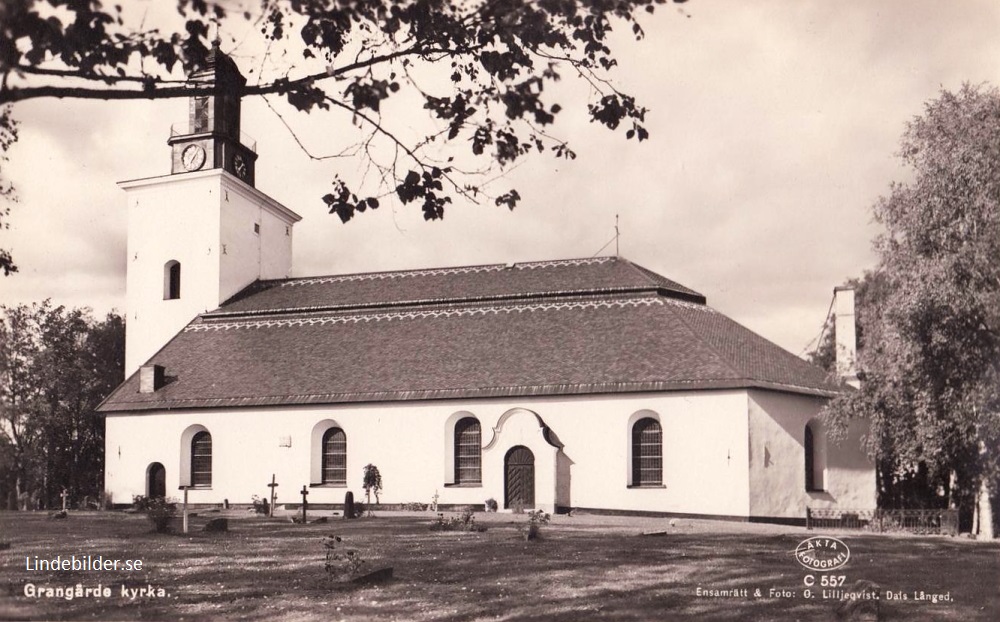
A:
590,326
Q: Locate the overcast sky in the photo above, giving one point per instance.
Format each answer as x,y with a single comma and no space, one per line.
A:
774,127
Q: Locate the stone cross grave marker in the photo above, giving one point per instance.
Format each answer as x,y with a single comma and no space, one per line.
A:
64,494
272,486
305,503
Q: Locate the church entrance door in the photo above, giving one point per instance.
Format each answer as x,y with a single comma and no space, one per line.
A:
519,478
156,481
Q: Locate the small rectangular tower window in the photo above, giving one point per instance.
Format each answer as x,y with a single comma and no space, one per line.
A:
256,228
199,122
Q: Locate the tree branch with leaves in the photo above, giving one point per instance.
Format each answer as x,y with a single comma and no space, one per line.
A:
483,72
930,361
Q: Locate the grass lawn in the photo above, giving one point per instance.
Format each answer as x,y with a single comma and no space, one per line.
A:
583,568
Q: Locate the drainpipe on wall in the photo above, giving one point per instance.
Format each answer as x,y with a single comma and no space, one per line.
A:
847,335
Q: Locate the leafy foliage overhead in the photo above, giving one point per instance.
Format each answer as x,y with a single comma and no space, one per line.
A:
482,70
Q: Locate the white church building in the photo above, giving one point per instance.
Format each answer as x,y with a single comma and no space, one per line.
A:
593,384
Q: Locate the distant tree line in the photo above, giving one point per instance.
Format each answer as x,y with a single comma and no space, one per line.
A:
929,316
56,365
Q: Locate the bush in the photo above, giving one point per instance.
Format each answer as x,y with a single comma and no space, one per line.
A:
491,505
140,503
360,509
466,521
414,506
533,528
160,511
372,482
341,562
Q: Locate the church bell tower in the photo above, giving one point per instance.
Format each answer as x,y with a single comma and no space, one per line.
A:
201,234
213,138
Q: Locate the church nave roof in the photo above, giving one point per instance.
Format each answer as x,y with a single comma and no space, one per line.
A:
591,326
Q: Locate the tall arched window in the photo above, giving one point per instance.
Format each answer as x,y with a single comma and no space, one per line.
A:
813,462
468,452
172,280
334,457
201,460
647,453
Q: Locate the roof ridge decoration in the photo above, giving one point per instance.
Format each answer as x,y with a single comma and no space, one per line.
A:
374,276
442,312
374,306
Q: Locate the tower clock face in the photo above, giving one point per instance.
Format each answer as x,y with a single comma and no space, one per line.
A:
193,157
240,166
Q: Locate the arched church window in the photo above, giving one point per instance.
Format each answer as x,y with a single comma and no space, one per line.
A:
814,466
201,460
647,453
334,457
172,280
468,451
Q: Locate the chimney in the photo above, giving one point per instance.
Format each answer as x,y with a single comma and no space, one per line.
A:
846,332
150,378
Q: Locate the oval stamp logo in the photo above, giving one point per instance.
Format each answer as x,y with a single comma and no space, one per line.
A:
822,553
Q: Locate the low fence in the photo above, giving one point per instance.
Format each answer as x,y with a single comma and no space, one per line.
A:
943,522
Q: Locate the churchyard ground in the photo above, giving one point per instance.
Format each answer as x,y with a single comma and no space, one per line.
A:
582,568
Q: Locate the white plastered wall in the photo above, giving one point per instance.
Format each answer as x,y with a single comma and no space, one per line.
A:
777,459
176,219
250,255
204,220
581,447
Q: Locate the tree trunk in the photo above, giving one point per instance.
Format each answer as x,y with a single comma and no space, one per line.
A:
984,520
962,496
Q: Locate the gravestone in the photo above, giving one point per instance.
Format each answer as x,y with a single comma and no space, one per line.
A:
305,503
349,504
64,495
